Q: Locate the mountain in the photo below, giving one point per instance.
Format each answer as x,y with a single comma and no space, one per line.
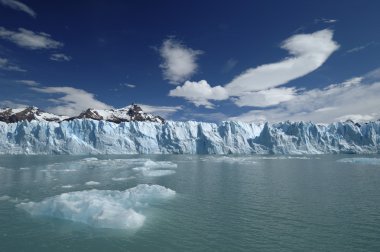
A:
10,115
87,136
127,114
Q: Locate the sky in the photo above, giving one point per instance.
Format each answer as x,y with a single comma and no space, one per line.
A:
210,61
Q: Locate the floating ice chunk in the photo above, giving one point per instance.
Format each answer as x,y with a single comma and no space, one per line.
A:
102,208
148,165
369,161
92,183
90,159
4,198
119,179
230,159
154,168
160,164
67,186
158,173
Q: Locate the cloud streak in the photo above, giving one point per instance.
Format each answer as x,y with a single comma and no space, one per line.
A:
8,66
164,111
29,39
70,101
179,61
17,5
60,57
30,83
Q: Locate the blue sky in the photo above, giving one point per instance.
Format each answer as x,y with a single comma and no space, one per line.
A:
194,60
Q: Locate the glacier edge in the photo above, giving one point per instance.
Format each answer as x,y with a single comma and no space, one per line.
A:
87,136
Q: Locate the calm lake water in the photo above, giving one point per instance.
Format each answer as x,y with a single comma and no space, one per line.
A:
215,203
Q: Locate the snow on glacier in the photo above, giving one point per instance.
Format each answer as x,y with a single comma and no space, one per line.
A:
86,136
102,208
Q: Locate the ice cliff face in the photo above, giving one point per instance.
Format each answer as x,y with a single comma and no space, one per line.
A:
87,136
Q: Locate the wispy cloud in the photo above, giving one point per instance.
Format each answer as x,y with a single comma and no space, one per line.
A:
60,57
30,83
11,104
362,47
164,111
70,101
179,61
8,66
29,39
199,93
229,65
353,99
128,85
265,98
325,20
17,5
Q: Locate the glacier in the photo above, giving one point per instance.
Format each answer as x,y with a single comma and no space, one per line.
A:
88,136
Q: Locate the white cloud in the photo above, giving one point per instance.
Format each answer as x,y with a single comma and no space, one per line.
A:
6,65
17,5
308,52
353,99
11,104
29,39
325,20
72,101
179,62
128,85
31,83
258,86
199,93
60,57
164,111
373,75
264,98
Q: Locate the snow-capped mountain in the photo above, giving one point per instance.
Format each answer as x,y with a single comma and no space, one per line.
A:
127,114
10,115
87,136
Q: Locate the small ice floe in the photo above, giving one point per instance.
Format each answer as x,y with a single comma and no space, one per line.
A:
92,183
119,179
67,186
156,168
158,173
102,208
5,198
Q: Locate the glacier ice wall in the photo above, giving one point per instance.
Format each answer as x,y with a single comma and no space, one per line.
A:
86,136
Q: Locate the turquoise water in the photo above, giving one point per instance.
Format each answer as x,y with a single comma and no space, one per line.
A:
258,203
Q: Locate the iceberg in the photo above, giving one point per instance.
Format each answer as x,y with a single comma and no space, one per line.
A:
102,208
88,136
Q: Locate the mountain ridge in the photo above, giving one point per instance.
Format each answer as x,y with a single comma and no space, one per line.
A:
126,114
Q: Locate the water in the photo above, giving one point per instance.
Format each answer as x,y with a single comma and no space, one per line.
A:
258,203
